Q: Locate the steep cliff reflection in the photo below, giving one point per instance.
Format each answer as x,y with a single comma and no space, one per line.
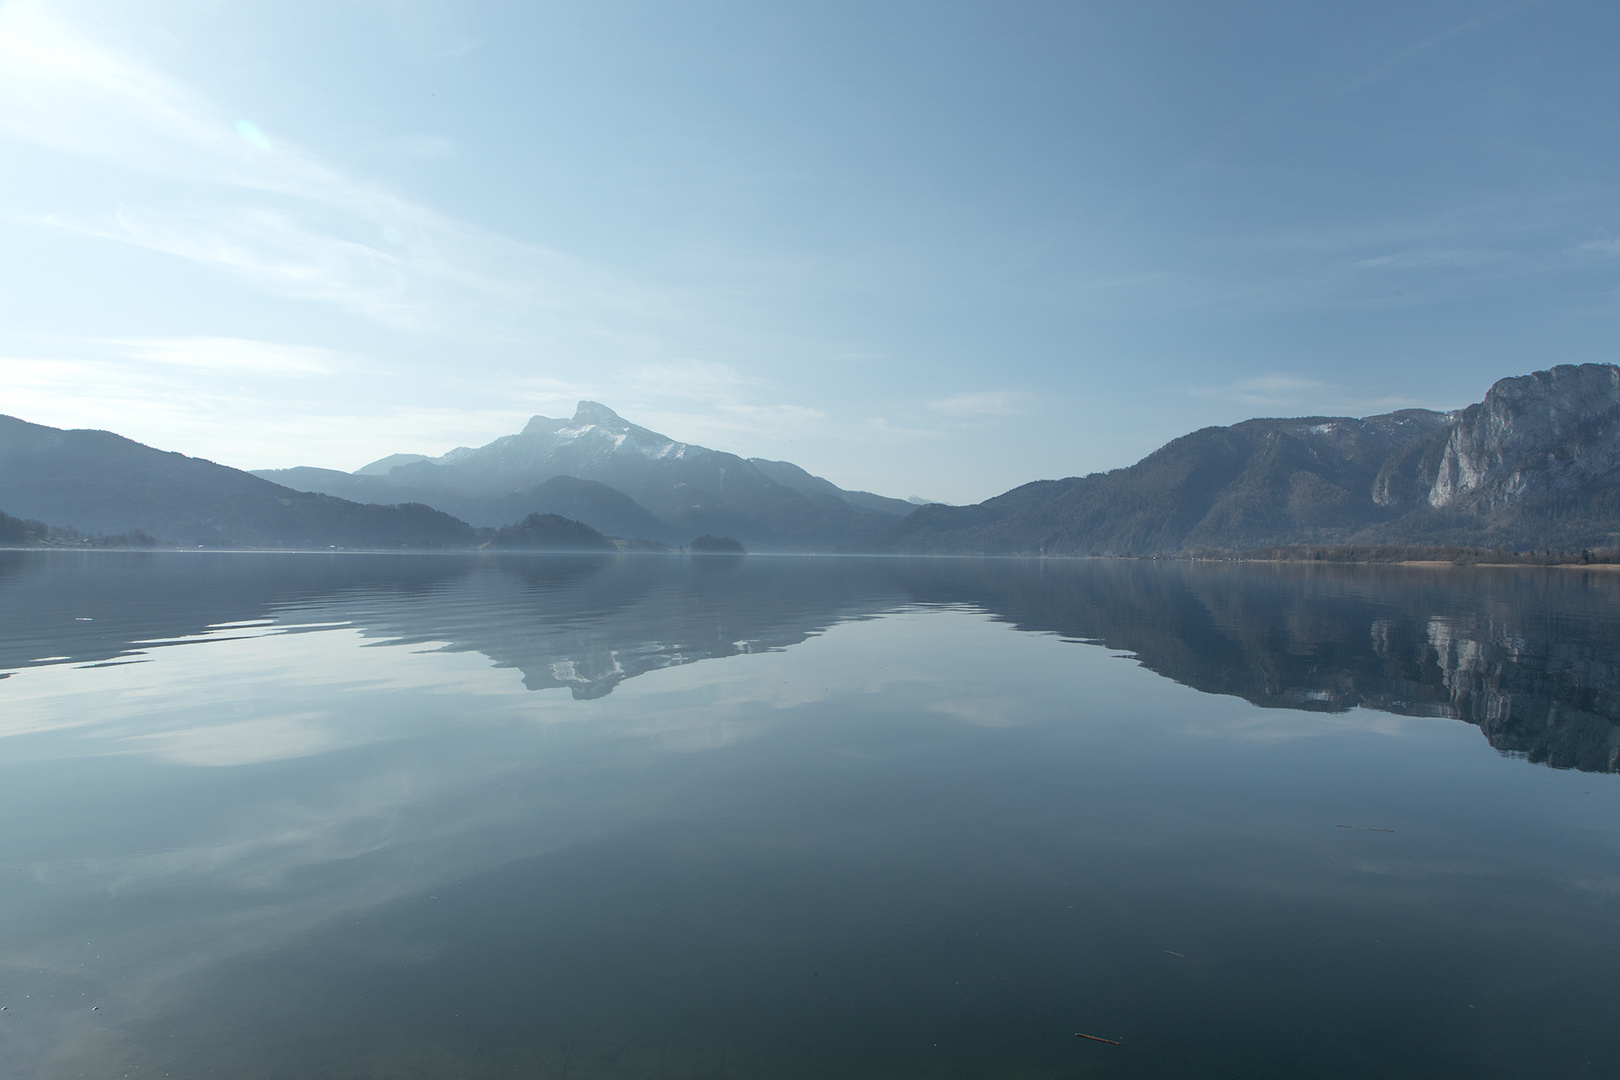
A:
1532,657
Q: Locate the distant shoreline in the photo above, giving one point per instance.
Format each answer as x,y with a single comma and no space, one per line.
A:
1424,564
1395,555
1418,555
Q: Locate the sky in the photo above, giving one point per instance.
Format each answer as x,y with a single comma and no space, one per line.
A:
935,249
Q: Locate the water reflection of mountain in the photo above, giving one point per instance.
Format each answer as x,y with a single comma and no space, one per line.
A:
92,607
582,622
614,618
1532,657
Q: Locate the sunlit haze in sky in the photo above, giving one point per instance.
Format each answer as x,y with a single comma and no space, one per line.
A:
932,248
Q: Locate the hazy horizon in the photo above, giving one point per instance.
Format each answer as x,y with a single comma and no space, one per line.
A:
938,250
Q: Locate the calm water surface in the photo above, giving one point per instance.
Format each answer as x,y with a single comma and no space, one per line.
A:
310,816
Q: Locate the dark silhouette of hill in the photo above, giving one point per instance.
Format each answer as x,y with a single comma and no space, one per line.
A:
716,545
99,483
1536,463
603,508
550,532
17,531
1256,483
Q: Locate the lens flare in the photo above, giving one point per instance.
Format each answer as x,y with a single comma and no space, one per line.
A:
250,131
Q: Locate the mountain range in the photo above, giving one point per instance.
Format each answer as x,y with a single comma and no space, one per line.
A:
546,487
100,483
621,479
1537,463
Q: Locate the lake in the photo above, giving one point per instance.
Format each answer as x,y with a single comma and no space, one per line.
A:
452,816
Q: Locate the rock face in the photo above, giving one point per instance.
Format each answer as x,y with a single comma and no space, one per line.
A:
1553,432
1537,463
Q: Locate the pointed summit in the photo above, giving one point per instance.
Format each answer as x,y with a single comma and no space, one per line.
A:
594,412
586,414
674,490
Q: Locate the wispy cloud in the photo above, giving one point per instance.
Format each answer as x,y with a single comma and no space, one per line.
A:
260,404
417,145
723,407
1452,33
277,253
273,215
64,91
702,381
1275,389
1601,245
1280,390
1427,258
256,404
234,355
985,404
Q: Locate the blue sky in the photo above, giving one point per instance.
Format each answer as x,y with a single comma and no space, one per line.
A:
931,248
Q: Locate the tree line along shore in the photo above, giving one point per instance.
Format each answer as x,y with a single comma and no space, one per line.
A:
1397,554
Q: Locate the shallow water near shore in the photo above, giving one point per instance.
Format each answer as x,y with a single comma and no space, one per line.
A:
368,816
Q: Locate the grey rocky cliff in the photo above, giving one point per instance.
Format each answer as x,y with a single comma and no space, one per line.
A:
1553,432
1534,465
